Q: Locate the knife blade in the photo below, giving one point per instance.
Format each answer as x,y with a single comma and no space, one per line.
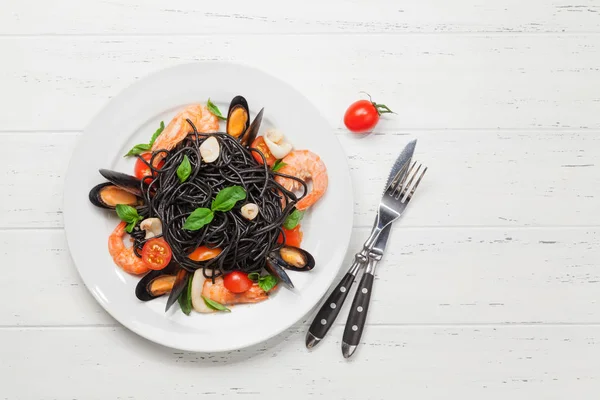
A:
400,165
403,159
331,308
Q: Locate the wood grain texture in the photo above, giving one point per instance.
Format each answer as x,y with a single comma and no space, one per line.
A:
428,276
431,81
311,16
475,178
489,289
422,362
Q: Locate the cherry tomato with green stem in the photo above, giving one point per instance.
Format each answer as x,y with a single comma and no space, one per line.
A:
363,115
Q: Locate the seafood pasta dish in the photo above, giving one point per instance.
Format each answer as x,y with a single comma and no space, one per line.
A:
211,213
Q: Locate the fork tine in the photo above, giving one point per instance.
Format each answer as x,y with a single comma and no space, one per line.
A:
398,188
407,185
397,181
414,188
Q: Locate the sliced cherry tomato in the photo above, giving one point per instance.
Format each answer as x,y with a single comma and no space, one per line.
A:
237,282
363,115
141,169
260,145
156,253
293,237
203,253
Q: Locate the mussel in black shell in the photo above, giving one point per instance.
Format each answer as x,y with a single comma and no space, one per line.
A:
294,258
252,130
238,117
126,182
274,267
238,121
108,195
154,284
290,258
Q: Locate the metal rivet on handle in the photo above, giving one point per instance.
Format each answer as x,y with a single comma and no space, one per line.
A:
342,289
323,321
354,328
332,305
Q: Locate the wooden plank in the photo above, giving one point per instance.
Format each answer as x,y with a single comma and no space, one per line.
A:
428,276
420,362
506,178
311,16
431,81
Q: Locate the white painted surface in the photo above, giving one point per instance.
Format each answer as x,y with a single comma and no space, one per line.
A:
490,288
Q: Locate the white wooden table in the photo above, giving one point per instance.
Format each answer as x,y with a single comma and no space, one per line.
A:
491,284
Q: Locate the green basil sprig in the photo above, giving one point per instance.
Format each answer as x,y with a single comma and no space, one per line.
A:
226,198
224,201
278,165
215,305
212,107
141,148
184,170
198,218
266,282
129,215
293,219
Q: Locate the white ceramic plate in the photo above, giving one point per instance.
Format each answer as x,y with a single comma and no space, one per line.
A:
131,118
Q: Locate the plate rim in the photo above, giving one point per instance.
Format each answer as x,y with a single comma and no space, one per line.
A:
119,317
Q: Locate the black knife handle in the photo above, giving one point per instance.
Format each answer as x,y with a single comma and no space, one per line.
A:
358,312
331,308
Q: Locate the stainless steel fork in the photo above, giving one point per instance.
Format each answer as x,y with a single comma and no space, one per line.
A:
391,207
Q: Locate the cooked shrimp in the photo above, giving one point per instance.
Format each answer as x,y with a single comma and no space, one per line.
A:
304,164
178,128
123,256
219,293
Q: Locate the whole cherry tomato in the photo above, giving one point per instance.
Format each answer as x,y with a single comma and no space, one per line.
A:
237,282
363,115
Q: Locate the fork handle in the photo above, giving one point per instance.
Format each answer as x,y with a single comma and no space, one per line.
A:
358,312
332,306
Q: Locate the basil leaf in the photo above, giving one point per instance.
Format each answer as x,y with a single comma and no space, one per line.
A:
293,219
157,133
130,226
138,149
185,298
254,276
226,198
278,165
215,305
127,213
142,148
214,109
198,218
267,282
184,170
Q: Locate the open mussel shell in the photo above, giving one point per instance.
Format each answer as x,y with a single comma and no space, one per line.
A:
252,130
154,284
274,267
181,280
126,182
108,195
293,258
238,117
